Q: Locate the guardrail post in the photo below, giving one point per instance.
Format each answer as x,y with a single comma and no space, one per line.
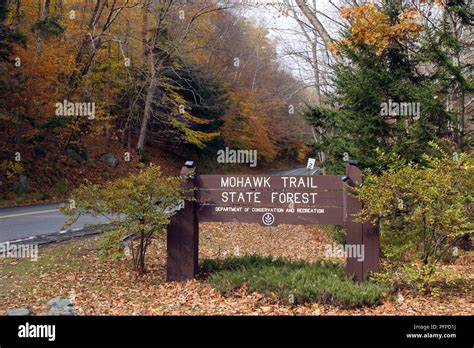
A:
183,233
365,235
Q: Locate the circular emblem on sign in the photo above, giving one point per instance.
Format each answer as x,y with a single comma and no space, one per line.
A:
268,219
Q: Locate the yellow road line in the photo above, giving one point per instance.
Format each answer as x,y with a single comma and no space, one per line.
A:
29,213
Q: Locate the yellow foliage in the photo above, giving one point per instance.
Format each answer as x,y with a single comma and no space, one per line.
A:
11,169
371,27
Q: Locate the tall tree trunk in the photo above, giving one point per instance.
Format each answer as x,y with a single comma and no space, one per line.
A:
158,56
317,25
108,126
94,42
16,17
151,92
317,82
43,14
312,38
145,49
86,41
60,8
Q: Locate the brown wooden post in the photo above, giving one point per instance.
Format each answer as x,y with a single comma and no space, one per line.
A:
365,234
183,233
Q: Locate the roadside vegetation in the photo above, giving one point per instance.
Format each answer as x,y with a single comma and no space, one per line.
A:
425,213
138,206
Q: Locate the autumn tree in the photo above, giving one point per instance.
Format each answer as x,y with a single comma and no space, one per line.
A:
383,64
163,76
9,169
262,114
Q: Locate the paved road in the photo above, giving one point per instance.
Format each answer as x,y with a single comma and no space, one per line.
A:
296,171
36,220
23,222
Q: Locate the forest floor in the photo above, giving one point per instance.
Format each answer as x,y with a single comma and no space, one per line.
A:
73,269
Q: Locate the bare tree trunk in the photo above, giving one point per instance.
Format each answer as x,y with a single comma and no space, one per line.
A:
317,83
60,8
43,14
95,42
16,17
151,92
158,56
107,121
317,25
99,7
145,49
312,38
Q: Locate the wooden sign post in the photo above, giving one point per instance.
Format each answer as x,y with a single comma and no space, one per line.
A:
365,235
183,233
269,201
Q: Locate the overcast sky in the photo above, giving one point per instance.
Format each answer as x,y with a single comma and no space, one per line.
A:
284,30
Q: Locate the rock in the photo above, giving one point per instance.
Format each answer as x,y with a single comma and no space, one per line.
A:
466,242
74,155
400,299
18,311
109,159
78,154
58,306
22,185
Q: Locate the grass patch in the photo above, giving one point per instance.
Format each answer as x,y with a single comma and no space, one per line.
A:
51,258
323,281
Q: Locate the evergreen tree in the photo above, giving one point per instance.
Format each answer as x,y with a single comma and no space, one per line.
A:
357,118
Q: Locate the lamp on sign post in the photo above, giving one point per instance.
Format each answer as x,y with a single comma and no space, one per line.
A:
347,180
353,162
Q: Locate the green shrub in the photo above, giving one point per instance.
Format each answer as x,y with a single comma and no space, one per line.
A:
423,210
146,157
234,263
292,281
61,186
79,154
136,207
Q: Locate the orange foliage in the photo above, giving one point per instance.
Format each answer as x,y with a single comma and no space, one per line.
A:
257,116
371,27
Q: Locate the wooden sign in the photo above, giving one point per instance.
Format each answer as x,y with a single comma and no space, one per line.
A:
269,201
